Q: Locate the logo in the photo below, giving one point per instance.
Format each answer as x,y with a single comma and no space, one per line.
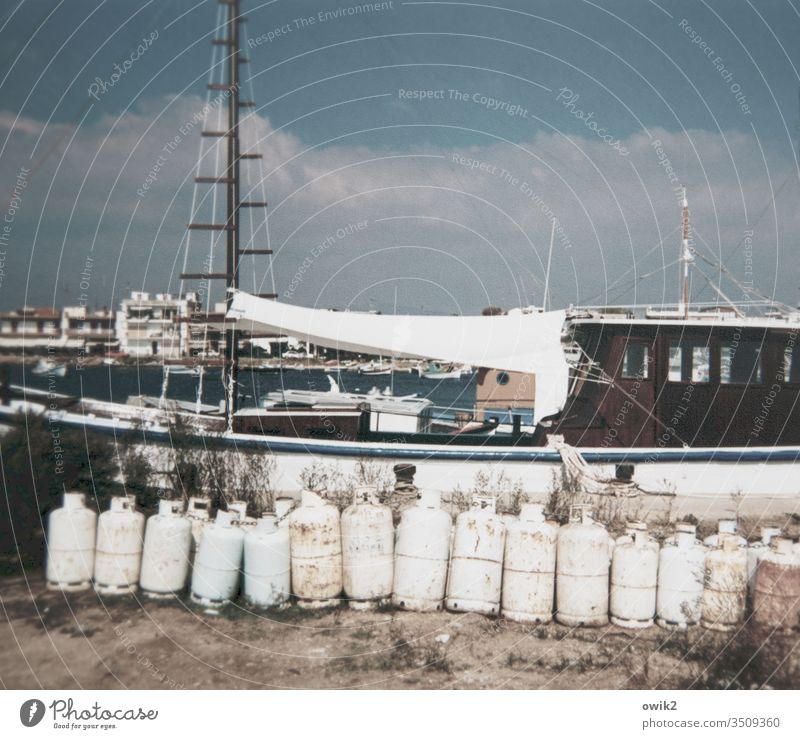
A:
32,712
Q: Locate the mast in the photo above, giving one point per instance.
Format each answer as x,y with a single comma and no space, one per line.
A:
686,258
230,88
231,376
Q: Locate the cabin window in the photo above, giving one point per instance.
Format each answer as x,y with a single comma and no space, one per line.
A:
791,363
689,362
740,362
636,362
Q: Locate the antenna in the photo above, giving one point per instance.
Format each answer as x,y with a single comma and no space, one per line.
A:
546,298
686,257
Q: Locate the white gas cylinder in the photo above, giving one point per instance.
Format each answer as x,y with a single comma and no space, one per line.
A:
681,571
71,532
725,592
756,550
529,566
315,543
583,561
267,572
120,538
367,550
422,554
167,548
476,567
215,578
634,580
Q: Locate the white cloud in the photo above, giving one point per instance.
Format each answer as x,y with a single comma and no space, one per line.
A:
457,236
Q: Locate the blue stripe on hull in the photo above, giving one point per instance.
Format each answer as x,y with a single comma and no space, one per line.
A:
472,454
606,456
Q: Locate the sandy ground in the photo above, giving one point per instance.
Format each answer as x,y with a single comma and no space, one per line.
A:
48,640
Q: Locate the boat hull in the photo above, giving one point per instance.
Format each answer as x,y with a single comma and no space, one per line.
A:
706,482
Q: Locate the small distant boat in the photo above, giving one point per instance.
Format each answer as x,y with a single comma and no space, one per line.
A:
373,368
182,369
48,367
436,371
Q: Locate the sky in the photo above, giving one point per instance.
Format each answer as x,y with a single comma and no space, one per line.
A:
417,156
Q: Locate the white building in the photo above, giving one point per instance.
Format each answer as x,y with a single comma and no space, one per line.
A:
156,325
30,329
89,331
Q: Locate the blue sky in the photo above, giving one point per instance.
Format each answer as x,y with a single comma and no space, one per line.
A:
454,131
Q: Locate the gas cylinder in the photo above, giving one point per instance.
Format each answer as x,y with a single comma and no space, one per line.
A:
681,571
215,578
198,511
120,537
725,527
776,598
756,550
71,532
422,555
367,550
167,547
315,544
583,561
267,574
725,591
476,566
631,527
634,580
239,510
529,567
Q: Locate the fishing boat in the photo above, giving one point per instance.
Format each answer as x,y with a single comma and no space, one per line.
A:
182,369
437,371
375,368
688,408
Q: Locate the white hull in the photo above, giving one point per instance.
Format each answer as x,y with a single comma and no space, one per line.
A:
706,489
708,483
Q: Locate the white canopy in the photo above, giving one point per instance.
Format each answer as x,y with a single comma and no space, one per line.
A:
520,341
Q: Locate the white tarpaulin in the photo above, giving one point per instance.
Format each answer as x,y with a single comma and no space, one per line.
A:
519,341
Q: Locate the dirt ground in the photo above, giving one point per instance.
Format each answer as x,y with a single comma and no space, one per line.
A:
51,641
